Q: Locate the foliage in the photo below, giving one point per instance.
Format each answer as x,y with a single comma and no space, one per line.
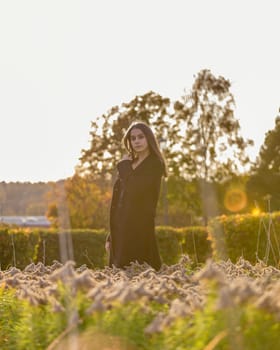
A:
18,246
193,241
78,202
52,214
107,131
222,305
23,198
22,246
23,326
203,144
262,188
233,196
85,204
269,156
203,147
10,309
183,202
232,328
250,236
200,131
212,146
264,182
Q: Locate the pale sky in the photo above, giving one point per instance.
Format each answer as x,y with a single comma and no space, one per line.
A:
65,62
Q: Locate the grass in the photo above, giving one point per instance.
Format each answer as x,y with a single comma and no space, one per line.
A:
114,309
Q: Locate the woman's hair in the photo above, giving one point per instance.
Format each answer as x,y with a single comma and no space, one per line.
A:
152,142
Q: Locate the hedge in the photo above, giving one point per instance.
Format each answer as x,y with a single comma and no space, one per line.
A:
254,237
192,241
21,246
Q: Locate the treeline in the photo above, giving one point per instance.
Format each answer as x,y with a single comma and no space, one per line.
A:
24,198
209,169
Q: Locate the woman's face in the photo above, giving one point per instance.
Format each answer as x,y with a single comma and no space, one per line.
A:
138,141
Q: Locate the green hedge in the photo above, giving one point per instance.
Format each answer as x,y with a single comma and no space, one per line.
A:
248,236
228,237
193,241
20,246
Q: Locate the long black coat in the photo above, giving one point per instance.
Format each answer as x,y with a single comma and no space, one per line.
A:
132,213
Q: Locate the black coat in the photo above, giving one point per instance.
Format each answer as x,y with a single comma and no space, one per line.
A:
132,213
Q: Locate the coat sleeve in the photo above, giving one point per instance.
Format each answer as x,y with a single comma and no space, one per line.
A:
125,169
156,183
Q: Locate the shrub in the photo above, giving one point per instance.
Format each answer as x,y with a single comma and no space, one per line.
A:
251,236
192,241
20,246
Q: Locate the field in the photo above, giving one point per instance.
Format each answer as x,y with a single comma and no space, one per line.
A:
217,305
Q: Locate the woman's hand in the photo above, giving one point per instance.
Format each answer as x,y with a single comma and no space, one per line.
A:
127,157
107,246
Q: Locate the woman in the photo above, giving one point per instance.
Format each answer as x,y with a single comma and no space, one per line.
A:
134,201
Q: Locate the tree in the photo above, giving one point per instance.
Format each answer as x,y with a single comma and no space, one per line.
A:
78,202
212,147
52,214
108,130
263,185
87,204
184,205
107,133
269,156
200,130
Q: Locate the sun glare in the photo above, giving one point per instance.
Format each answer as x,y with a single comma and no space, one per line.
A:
235,200
256,211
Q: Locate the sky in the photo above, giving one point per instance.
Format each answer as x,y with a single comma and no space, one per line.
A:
65,62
